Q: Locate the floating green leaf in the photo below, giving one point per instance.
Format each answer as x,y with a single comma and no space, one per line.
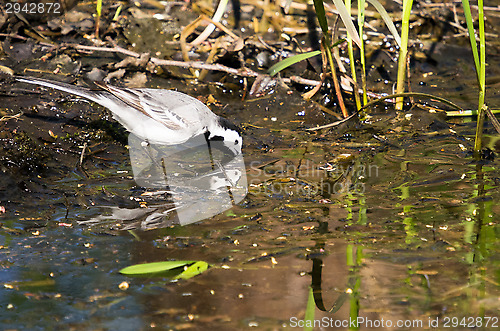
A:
154,267
290,61
193,270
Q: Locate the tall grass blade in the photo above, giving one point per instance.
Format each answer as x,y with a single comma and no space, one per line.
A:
403,51
480,63
387,19
291,61
352,62
472,35
361,24
320,13
99,8
482,80
221,9
326,42
347,20
326,46
98,17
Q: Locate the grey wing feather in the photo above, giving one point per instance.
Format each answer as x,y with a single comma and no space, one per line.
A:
176,106
134,99
116,99
173,109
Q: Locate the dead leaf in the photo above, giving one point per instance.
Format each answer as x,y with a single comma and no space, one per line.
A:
138,80
115,74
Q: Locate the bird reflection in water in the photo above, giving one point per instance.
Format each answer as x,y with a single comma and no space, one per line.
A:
182,184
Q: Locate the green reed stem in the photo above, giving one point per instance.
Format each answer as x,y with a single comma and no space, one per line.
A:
480,63
482,79
329,55
319,8
472,35
327,45
352,61
403,51
98,17
361,23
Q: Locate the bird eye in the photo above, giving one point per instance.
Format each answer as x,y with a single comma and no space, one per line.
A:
236,142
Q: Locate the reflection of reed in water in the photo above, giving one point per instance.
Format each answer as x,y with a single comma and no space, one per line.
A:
181,184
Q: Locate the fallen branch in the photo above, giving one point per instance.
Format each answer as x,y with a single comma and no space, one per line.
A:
243,72
9,117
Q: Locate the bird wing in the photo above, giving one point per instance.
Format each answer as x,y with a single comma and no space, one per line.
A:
136,99
175,110
177,106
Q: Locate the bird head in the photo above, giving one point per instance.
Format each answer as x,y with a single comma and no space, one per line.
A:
227,133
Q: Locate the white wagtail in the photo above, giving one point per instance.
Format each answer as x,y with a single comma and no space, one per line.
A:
158,116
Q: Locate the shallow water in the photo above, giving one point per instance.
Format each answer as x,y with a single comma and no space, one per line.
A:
390,222
387,230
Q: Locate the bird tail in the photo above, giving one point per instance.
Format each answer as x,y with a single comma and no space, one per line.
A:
76,90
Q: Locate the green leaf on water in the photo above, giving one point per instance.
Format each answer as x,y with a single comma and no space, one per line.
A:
193,270
290,61
154,267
